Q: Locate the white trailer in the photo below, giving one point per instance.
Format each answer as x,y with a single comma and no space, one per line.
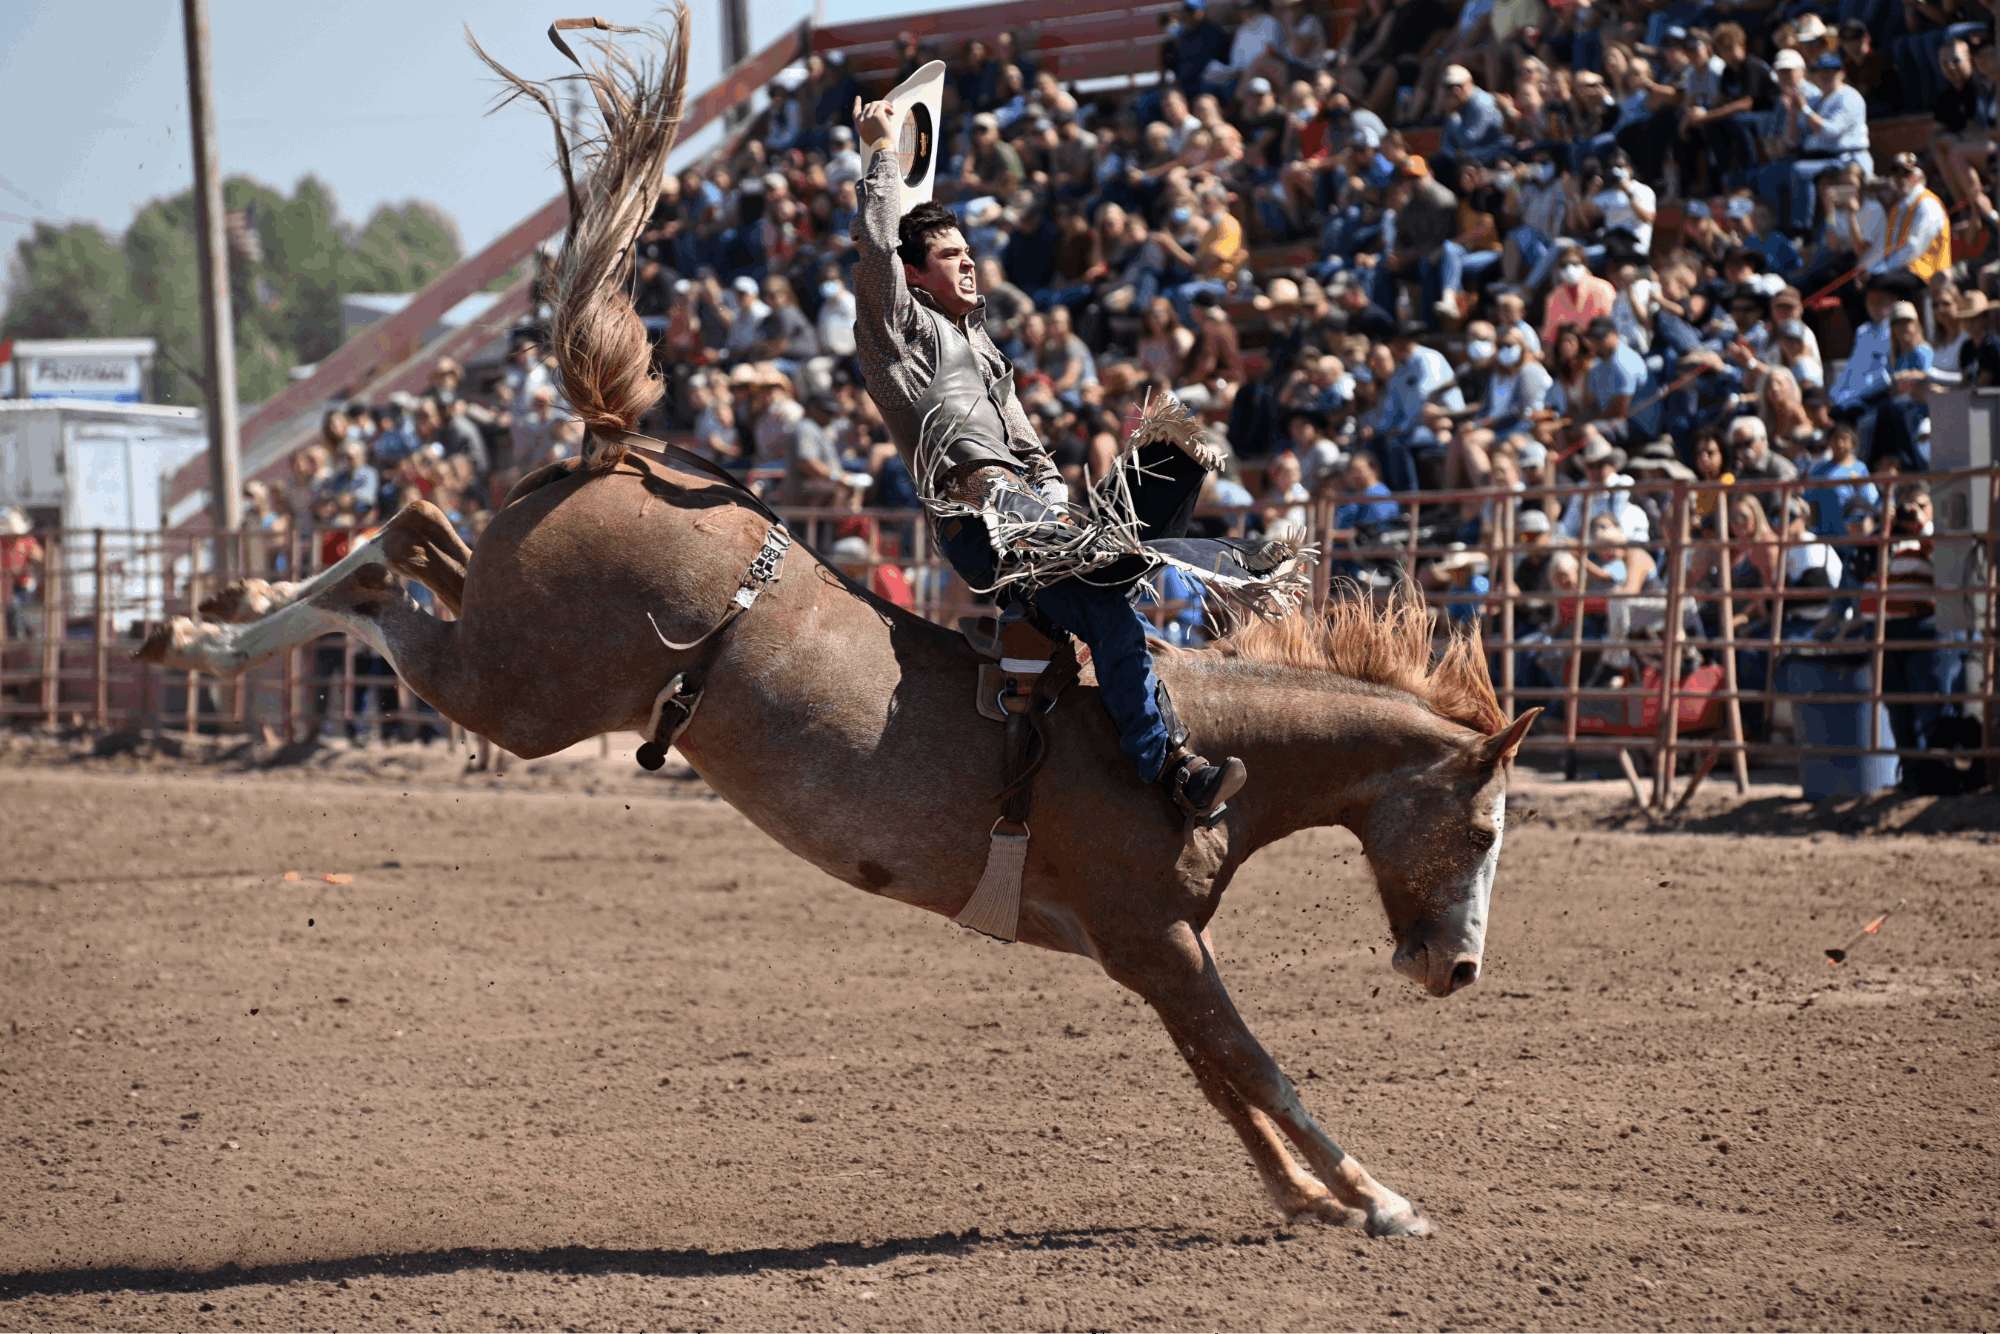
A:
80,465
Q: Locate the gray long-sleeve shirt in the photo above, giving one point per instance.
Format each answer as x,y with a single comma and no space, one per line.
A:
894,341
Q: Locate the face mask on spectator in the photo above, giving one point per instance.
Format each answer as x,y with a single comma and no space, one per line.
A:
1510,355
1543,172
1479,349
1504,181
1570,274
1620,175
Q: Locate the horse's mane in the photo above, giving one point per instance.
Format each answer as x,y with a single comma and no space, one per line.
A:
1390,647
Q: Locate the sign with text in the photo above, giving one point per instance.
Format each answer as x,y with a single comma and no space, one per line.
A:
105,377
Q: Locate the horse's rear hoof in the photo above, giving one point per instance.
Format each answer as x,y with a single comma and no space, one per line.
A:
241,602
1403,1222
158,641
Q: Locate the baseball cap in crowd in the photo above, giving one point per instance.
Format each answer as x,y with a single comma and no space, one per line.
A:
1366,136
1694,208
1791,329
1904,164
1410,331
1048,409
746,285
1853,30
1829,61
1857,510
1456,74
1788,59
841,135
1532,454
1258,86
825,402
1601,326
1810,28
1196,5
1675,36
1902,310
1532,521
1741,206
985,120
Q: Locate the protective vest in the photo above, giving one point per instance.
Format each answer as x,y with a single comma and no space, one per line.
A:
1938,255
960,418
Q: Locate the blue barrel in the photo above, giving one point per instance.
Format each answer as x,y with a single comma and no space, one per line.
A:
1831,724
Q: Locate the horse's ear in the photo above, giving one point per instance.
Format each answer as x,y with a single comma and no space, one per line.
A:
1501,746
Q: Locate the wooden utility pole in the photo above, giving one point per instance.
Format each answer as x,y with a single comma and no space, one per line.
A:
736,49
218,324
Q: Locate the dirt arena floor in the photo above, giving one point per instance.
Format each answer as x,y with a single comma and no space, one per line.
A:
582,1053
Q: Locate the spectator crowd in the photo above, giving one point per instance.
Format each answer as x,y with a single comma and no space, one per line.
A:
1422,245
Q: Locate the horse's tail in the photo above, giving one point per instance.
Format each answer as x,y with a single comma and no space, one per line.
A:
600,345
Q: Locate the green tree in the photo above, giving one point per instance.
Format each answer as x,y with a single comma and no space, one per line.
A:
75,282
66,282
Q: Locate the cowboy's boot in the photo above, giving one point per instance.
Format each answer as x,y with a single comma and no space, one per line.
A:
1198,787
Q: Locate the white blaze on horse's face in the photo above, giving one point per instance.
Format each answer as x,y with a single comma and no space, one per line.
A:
1433,840
1445,950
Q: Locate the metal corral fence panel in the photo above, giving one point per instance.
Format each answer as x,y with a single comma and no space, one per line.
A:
1595,657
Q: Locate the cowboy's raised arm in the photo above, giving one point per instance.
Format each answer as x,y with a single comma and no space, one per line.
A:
883,310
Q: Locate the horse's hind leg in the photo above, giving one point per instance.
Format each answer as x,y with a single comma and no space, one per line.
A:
228,651
1180,981
419,543
1296,1192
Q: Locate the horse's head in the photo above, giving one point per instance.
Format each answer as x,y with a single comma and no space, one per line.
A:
1433,840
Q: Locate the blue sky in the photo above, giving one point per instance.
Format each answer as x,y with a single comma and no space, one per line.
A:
380,98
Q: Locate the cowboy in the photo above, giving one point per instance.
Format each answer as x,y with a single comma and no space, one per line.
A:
947,397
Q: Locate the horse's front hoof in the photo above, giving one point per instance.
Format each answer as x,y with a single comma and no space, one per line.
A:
1403,1221
1331,1213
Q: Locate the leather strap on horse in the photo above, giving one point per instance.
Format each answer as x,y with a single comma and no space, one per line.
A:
674,706
666,453
1027,729
995,906
764,567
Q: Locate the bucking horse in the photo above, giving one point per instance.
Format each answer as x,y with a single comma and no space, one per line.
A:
634,579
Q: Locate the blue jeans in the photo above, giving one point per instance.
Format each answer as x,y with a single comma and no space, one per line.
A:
1398,456
1920,671
1183,294
1074,295
1804,173
1101,618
